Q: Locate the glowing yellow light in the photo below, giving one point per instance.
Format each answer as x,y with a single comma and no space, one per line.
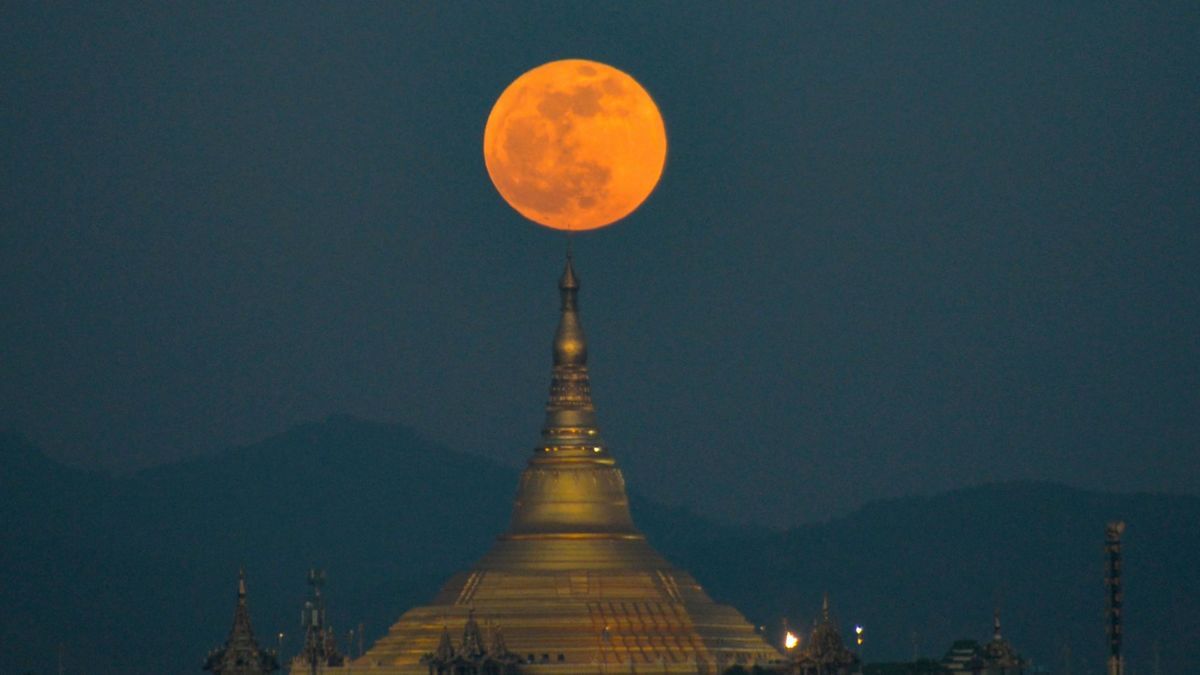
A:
790,640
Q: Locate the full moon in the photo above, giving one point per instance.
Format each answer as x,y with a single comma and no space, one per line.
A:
575,145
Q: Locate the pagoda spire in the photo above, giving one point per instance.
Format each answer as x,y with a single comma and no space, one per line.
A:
445,648
473,644
570,414
498,648
999,656
241,653
241,615
572,486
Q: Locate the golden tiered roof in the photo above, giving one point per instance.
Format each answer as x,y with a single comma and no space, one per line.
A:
573,584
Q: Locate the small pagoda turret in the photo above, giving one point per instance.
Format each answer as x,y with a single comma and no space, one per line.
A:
825,653
241,655
998,657
477,655
499,654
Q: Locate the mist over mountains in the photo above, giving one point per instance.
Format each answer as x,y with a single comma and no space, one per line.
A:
136,574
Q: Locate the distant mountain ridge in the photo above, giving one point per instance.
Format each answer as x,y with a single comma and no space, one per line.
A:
940,565
135,574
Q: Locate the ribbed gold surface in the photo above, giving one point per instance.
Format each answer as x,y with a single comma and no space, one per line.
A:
573,585
655,618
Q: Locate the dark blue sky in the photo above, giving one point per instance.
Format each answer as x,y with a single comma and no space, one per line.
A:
897,248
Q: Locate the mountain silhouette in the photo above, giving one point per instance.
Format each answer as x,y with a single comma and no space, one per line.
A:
136,574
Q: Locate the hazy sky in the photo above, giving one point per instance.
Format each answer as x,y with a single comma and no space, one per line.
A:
897,247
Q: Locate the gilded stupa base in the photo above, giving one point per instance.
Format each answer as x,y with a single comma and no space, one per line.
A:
579,606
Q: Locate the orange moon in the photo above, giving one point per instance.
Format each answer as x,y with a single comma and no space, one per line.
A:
575,144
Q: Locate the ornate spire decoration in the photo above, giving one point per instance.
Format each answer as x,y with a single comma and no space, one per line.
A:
572,486
445,649
472,647
824,653
998,656
570,414
240,655
498,648
472,656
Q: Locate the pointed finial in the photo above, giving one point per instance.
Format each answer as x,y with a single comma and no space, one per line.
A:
825,608
241,584
568,285
996,624
570,345
570,415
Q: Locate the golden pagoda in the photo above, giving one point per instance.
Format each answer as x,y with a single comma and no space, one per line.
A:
572,586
